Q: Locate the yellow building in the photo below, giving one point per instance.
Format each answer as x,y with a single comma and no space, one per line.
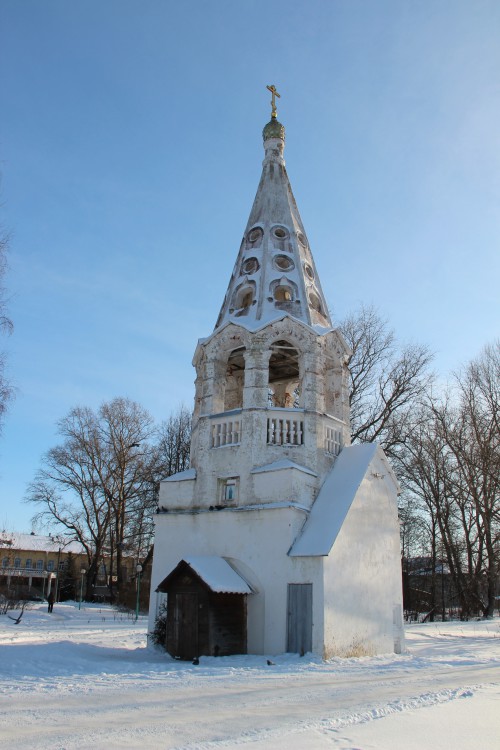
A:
34,564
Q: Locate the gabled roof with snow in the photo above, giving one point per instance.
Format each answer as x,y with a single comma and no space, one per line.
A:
274,271
335,498
38,543
216,572
181,476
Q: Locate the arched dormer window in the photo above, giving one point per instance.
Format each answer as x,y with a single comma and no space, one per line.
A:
316,307
284,293
243,299
315,303
246,299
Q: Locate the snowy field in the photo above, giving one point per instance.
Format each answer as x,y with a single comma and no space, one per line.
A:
84,679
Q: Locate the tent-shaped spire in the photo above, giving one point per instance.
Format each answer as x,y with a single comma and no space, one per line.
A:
274,273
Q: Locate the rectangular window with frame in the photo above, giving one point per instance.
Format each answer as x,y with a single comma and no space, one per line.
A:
229,490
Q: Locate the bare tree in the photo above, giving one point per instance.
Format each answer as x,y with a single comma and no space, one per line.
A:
101,483
386,380
174,443
6,327
172,455
93,482
426,471
473,437
451,463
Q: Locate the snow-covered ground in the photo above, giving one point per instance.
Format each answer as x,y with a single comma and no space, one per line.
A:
85,679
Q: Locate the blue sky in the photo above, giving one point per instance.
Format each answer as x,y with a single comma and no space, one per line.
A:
130,151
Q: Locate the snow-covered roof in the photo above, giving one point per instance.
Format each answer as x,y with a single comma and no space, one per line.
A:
38,543
283,463
334,500
217,573
182,476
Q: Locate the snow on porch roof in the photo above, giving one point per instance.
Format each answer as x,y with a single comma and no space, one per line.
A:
217,573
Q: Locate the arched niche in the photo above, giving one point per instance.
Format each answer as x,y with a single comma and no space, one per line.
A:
284,375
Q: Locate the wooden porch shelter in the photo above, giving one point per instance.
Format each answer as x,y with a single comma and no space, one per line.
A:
206,608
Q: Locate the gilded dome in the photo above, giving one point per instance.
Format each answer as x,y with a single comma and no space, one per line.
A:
274,129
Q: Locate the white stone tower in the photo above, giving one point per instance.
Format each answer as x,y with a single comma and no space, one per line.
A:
272,377
271,417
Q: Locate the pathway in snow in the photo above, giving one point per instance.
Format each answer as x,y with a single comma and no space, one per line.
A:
85,679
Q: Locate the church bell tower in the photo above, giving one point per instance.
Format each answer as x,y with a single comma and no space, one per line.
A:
271,385
281,536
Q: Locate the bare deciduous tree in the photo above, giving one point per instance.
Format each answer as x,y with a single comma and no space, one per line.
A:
6,326
100,484
174,443
386,380
472,434
451,463
173,447
93,482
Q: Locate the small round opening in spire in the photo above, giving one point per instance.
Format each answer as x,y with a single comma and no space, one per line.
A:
283,263
309,271
249,266
280,233
255,235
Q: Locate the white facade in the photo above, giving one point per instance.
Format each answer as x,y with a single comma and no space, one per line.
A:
275,489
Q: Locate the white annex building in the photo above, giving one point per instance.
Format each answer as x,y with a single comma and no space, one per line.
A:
281,536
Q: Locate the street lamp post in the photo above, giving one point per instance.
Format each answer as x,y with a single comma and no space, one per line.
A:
82,573
139,571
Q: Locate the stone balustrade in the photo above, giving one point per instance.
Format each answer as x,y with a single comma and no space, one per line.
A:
283,427
226,429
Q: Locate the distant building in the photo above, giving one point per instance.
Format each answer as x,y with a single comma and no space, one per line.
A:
34,565
281,536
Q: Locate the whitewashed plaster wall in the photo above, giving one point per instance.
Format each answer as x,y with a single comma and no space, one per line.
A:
287,484
363,587
256,486
256,543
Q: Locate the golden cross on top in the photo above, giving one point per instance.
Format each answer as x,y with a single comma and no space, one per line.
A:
274,93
